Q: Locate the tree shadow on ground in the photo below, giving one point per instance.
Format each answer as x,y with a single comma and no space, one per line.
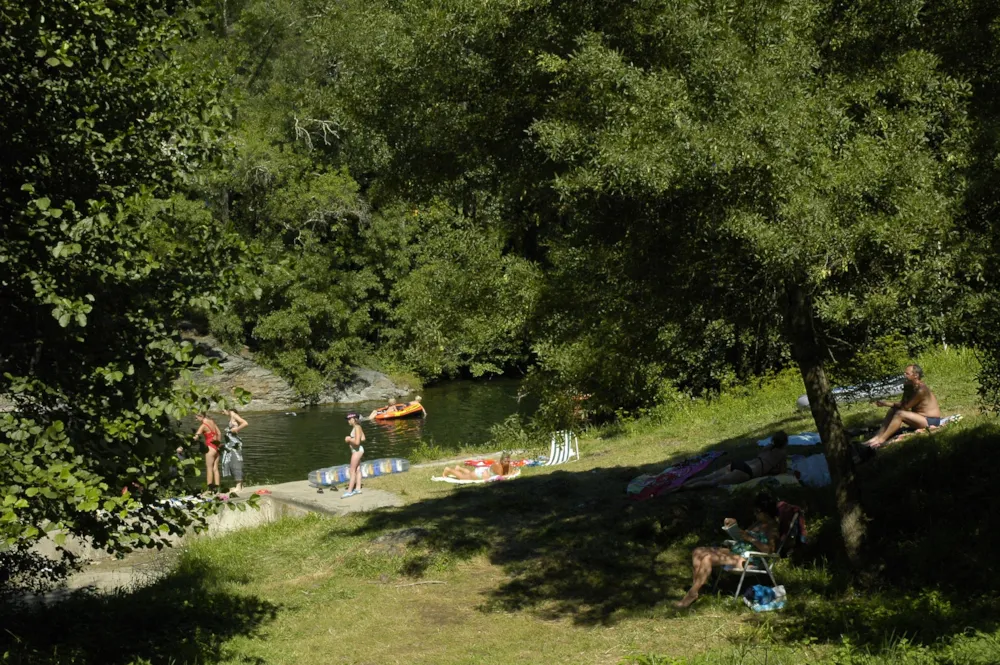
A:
185,617
571,543
931,569
574,546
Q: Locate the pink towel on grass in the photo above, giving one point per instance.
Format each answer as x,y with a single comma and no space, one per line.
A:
647,486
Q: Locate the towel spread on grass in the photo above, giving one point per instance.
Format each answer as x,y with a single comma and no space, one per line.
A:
477,481
647,486
947,420
812,438
803,439
490,462
811,470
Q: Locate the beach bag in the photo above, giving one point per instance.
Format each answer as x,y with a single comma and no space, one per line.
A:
762,598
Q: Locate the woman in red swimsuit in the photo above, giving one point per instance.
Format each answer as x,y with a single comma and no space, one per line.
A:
212,436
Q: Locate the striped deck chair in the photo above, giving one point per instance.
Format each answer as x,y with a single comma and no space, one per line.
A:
564,446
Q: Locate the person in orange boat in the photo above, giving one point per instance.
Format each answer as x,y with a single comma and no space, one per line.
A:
416,402
388,408
501,468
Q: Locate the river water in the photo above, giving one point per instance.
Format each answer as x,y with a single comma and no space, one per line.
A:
279,447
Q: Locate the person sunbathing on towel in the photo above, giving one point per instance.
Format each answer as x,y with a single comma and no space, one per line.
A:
768,463
760,537
918,408
501,468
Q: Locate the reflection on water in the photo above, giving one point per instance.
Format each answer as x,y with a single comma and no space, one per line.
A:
280,447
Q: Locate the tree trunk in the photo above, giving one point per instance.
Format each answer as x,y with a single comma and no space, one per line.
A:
809,356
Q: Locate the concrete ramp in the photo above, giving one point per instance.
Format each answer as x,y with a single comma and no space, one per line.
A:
301,495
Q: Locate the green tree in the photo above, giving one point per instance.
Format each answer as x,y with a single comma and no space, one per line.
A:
712,165
966,36
815,197
101,128
466,305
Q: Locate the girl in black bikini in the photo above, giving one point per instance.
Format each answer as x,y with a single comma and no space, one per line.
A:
768,463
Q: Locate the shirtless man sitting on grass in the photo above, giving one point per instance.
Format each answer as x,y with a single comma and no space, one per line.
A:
918,408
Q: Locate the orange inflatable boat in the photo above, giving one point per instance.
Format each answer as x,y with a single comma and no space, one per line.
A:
399,411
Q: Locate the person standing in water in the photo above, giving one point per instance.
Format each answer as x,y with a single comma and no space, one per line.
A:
232,449
354,440
212,437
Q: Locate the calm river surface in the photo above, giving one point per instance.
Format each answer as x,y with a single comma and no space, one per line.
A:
279,448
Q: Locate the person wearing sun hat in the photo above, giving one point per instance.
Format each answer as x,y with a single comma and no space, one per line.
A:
354,440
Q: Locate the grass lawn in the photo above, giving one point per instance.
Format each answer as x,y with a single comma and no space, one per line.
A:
560,567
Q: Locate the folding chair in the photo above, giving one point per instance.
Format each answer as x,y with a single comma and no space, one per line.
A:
564,446
762,563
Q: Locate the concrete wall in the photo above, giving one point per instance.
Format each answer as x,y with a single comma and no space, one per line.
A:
226,520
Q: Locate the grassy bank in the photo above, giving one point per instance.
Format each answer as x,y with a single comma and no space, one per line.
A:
559,567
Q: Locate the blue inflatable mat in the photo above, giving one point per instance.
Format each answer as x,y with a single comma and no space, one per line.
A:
339,474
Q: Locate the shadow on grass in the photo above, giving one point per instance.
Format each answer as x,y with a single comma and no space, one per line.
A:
571,542
574,546
185,617
932,546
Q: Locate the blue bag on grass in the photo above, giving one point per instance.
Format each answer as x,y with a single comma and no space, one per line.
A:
762,598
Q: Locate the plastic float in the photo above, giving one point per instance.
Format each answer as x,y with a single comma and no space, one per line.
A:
332,475
394,411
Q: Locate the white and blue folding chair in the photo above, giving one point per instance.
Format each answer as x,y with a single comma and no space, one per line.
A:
565,446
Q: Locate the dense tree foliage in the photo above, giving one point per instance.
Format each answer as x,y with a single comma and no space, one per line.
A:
635,201
100,254
764,179
346,274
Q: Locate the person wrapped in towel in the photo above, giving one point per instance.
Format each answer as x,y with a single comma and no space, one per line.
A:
232,449
501,468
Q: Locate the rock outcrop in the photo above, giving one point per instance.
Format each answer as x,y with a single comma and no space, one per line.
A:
272,393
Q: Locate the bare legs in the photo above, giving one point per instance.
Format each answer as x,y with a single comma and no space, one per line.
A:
893,420
212,468
702,561
459,472
724,476
354,482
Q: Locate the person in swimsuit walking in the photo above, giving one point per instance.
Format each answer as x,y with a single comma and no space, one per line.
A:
354,440
501,468
760,537
212,437
232,449
767,463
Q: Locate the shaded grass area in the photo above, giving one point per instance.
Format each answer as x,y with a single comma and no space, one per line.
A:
560,567
186,617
